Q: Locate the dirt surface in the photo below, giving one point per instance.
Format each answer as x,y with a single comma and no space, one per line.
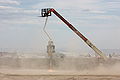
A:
60,77
53,75
66,69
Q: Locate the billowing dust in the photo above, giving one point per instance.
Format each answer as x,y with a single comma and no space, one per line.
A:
66,66
62,69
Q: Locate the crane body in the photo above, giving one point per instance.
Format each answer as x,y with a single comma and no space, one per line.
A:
47,12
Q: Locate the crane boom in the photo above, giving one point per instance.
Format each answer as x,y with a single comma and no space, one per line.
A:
47,12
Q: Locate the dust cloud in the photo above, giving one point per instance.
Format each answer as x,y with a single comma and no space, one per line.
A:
67,68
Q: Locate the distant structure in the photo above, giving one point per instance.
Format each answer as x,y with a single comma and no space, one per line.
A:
8,54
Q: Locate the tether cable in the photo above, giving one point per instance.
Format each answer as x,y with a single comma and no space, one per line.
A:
44,29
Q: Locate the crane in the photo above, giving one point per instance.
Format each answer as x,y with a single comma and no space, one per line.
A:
47,12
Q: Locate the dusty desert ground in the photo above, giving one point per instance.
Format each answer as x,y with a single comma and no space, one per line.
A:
64,69
60,77
54,75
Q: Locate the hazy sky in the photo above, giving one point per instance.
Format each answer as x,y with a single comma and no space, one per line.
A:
21,29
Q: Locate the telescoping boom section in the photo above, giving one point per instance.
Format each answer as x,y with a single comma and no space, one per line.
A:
47,12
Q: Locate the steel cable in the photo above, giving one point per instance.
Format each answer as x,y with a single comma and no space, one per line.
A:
45,29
